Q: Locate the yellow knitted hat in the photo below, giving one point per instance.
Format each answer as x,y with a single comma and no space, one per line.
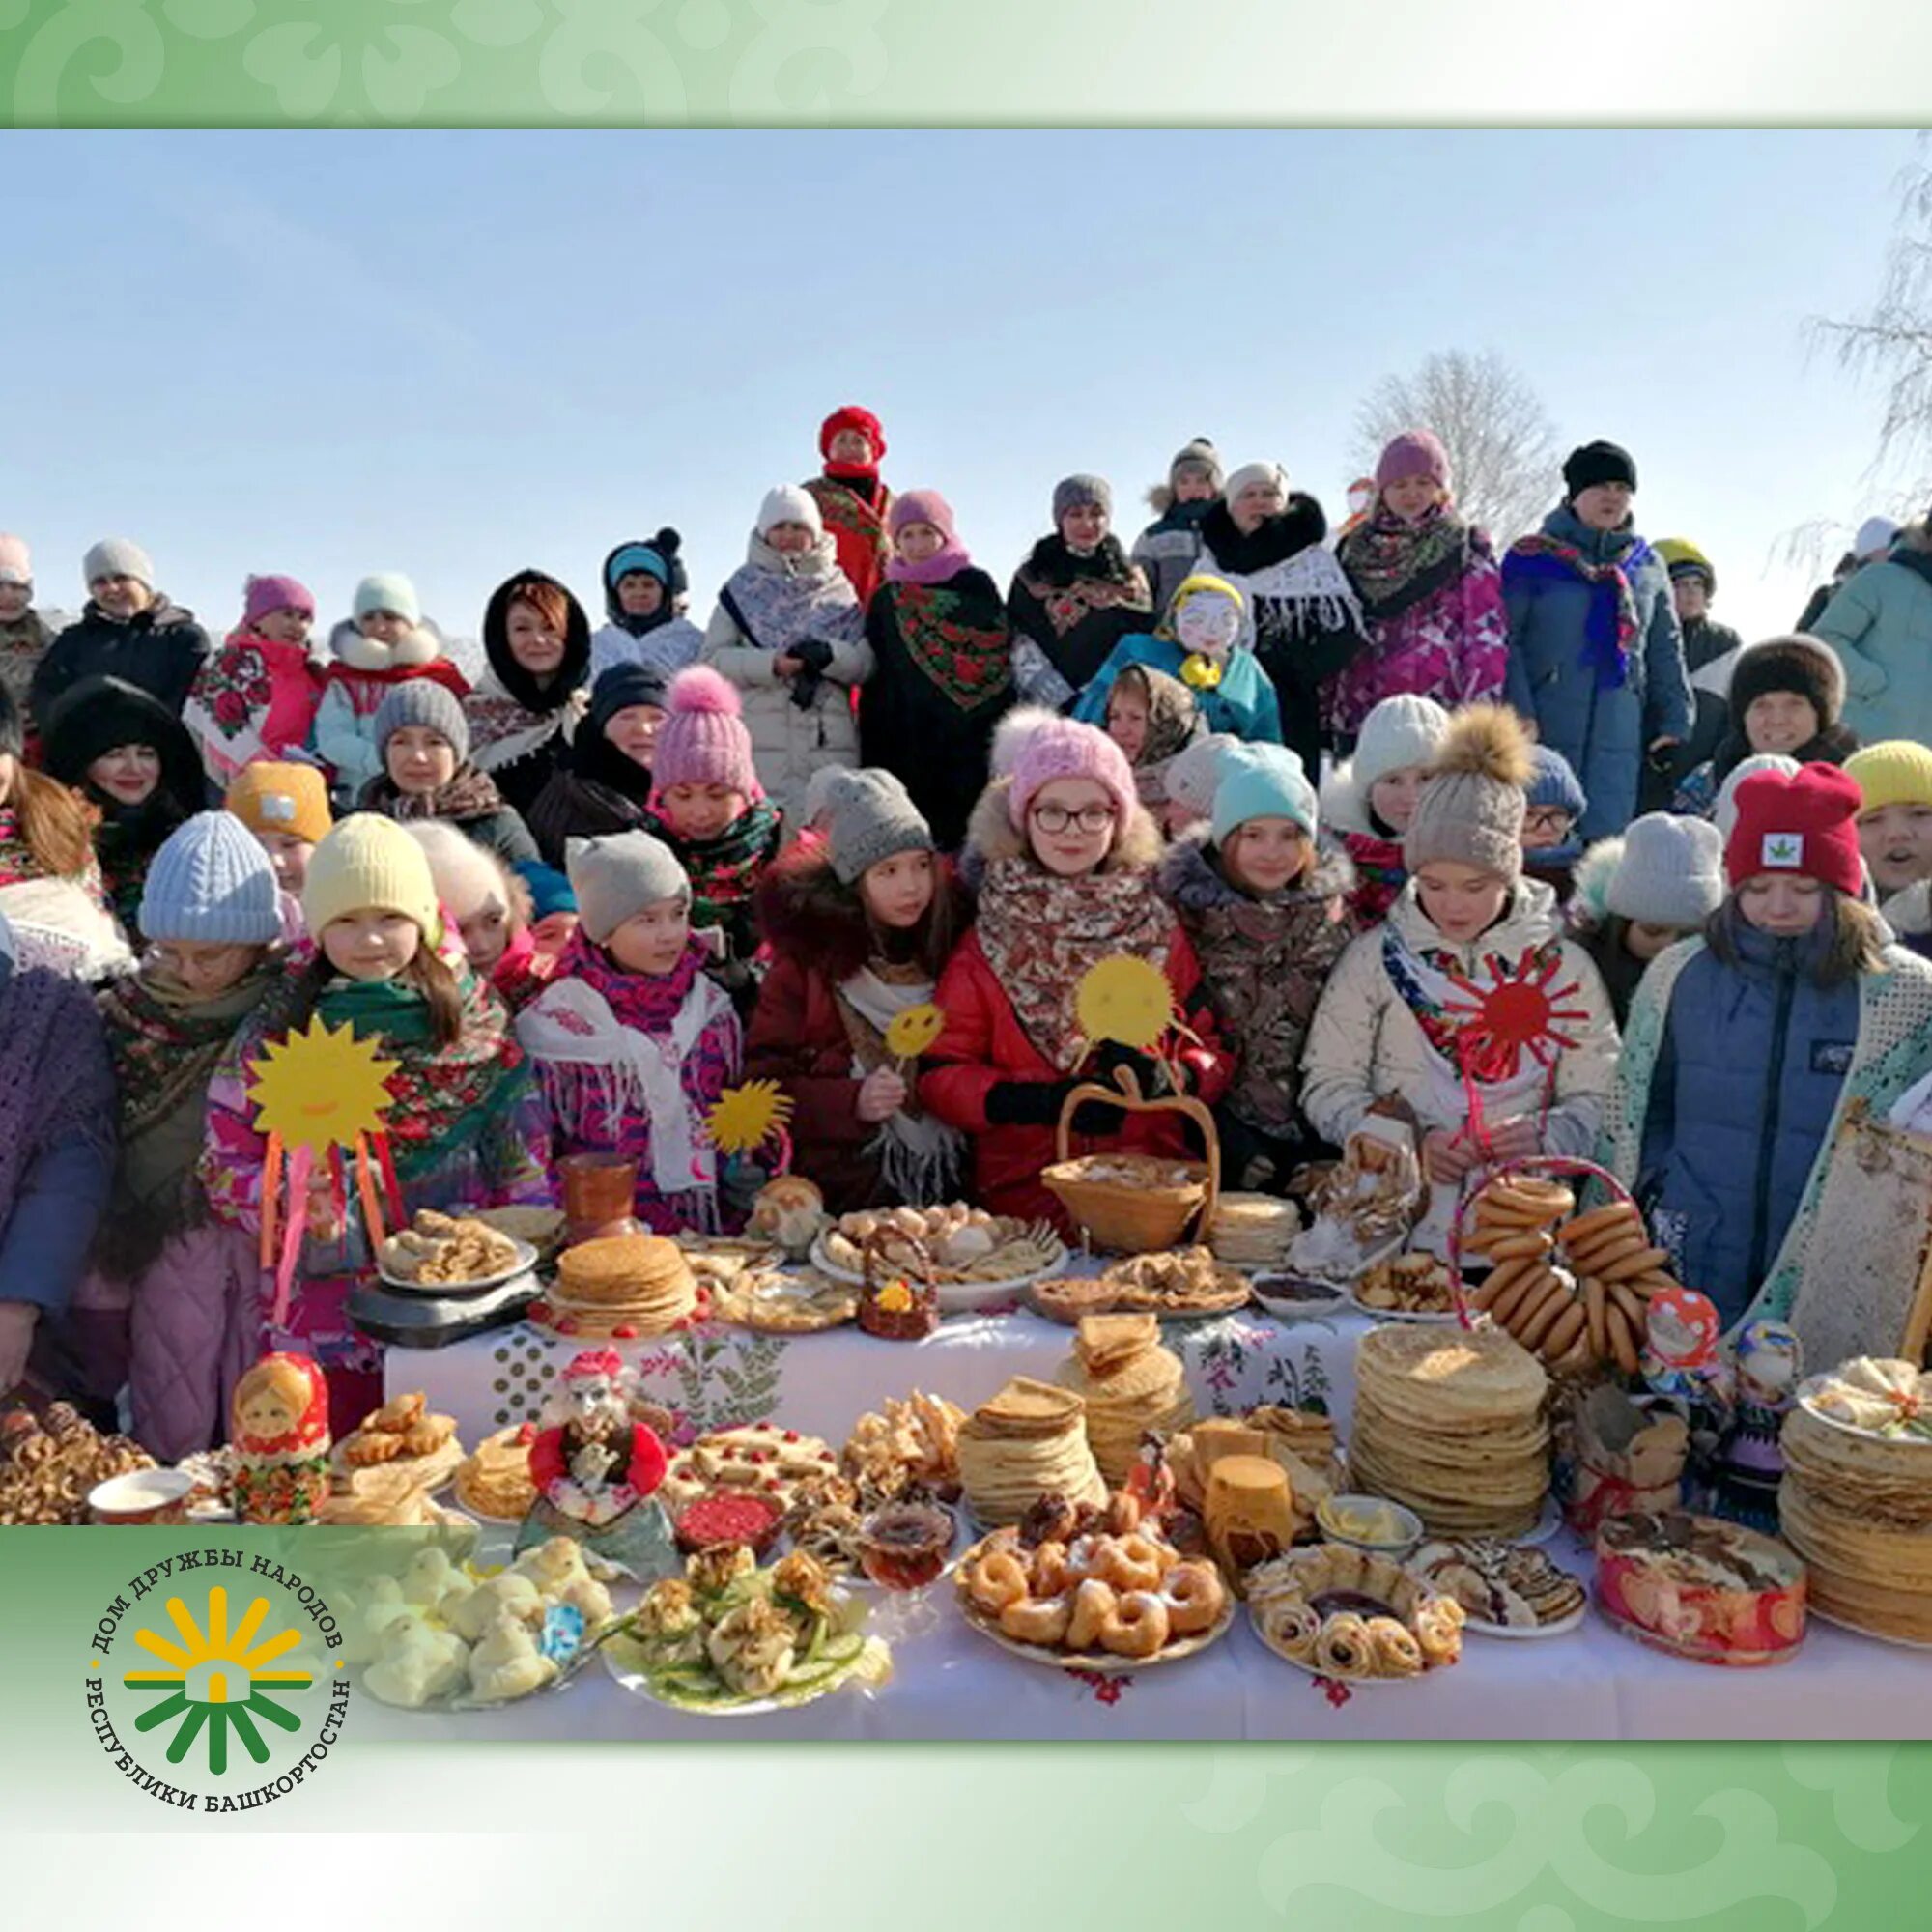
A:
1896,772
370,861
287,798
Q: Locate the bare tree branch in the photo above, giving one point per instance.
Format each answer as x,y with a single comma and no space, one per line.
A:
1502,450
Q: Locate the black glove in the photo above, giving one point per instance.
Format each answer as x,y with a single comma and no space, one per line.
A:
1156,1083
1037,1103
805,689
814,653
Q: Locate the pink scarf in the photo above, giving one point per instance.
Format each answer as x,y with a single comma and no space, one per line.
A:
947,560
645,1002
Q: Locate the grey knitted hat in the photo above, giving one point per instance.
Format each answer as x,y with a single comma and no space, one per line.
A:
1671,873
872,818
616,877
433,707
118,557
1072,490
1471,804
1203,453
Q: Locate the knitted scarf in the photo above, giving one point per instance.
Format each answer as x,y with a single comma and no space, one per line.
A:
1041,933
947,560
724,870
1394,564
470,794
920,1158
959,639
164,1043
48,1093
1609,629
442,1097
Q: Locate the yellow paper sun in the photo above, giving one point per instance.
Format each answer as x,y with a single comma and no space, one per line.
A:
1126,1000
743,1118
321,1088
913,1031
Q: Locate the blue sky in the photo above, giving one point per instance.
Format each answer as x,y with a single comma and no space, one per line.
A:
460,354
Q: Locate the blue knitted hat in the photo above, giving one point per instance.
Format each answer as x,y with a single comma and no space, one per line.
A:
1262,782
211,884
1554,783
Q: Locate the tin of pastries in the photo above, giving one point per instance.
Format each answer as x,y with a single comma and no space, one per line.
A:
402,1438
1350,1614
1699,1587
1410,1285
1106,1598
966,1244
1181,1280
495,1481
438,1251
759,1458
1502,1586
727,1638
1028,1441
774,1301
48,1465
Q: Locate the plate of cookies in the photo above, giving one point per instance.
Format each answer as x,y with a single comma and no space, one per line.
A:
1352,1615
440,1254
1505,1589
1411,1287
1112,1598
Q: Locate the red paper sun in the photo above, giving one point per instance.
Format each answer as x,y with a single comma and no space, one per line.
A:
1519,1013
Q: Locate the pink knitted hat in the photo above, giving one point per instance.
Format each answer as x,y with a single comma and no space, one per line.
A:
703,741
921,506
1416,452
263,594
1058,747
17,566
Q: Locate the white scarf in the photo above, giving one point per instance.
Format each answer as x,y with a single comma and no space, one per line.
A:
920,1160
571,1024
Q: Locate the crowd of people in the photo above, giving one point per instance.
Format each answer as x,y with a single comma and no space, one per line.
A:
1526,849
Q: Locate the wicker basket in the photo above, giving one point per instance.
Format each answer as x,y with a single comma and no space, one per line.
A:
898,1324
1117,1215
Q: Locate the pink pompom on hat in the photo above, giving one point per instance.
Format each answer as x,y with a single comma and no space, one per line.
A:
263,594
703,741
1416,452
1059,748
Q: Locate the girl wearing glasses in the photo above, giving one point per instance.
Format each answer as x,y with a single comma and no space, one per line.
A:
1066,853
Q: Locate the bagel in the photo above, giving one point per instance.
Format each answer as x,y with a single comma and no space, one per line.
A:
1138,1627
1632,1304
1094,1603
1543,1316
1633,1265
1507,1305
1593,1309
1133,1564
1601,1250
997,1580
1195,1597
1569,1325
1623,1344
1534,1244
1577,1359
1041,1620
1583,1227
1653,1283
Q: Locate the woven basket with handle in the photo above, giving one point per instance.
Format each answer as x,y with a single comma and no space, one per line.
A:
1120,1216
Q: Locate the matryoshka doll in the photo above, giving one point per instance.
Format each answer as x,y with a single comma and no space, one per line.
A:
1681,1362
1770,1365
278,1435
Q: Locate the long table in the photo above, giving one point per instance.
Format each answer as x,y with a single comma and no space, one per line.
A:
1593,1684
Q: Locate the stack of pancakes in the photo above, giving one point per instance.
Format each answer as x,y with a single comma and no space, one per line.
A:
640,1284
1129,1385
1030,1440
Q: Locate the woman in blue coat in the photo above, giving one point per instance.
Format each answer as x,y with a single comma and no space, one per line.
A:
1744,1046
1596,655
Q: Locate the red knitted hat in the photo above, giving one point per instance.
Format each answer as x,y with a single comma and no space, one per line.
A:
852,416
1804,825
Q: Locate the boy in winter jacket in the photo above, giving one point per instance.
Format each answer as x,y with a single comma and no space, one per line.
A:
1896,823
1371,799
1431,593
859,925
708,807
1199,642
127,630
385,642
790,636
632,1039
1596,657
1467,1002
1640,894
1746,1045
1266,909
645,590
256,697
1168,548
423,737
180,1288
1066,855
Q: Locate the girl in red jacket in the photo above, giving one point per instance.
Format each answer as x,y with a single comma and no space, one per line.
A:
1068,854
860,922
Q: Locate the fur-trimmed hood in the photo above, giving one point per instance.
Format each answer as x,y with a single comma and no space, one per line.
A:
805,911
349,646
1915,536
1192,883
990,836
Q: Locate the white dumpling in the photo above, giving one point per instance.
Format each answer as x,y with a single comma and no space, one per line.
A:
510,1594
416,1664
431,1576
553,1566
369,1616
506,1662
